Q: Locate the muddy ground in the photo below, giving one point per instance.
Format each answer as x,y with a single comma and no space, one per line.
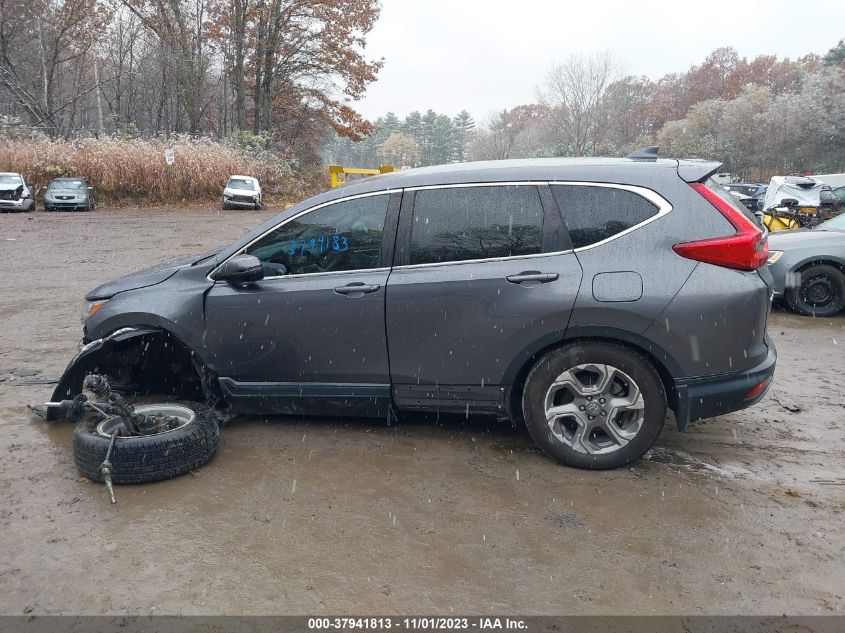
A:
742,514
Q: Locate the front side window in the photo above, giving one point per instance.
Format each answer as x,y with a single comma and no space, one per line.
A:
466,223
341,236
593,214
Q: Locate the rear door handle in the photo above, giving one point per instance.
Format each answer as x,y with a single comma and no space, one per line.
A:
532,276
356,288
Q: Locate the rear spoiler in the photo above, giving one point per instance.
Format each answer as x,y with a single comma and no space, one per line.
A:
697,170
690,170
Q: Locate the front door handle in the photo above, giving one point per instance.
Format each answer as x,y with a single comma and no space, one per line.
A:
532,276
356,289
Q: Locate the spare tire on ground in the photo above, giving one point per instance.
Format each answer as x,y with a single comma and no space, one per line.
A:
143,459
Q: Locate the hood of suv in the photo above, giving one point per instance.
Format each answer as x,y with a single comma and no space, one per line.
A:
143,278
16,189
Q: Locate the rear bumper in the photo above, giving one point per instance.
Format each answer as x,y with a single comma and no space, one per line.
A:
709,396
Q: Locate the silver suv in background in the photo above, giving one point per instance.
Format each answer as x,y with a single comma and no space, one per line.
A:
581,297
16,194
241,192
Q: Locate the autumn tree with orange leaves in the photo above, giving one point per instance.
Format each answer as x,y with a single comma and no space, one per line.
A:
296,65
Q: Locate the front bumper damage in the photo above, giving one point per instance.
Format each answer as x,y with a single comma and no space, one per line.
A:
90,359
22,204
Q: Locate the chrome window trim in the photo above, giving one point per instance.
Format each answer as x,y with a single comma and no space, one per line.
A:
663,207
380,269
480,261
505,183
241,251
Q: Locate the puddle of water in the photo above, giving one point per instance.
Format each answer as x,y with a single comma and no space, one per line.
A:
680,459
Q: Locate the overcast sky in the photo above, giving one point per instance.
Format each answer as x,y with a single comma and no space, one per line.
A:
485,55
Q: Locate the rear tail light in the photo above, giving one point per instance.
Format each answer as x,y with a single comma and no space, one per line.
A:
748,249
758,389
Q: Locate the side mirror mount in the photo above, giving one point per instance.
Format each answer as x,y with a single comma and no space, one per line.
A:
240,269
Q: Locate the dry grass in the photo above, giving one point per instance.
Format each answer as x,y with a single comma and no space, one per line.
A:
134,170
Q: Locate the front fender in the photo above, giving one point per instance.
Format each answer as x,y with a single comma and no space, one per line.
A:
88,360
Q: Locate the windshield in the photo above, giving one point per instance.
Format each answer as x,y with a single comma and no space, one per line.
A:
10,179
241,183
834,224
66,184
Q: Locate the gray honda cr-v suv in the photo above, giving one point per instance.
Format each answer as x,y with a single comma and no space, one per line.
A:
583,296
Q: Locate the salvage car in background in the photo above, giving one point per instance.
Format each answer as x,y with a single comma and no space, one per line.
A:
68,194
241,192
16,194
808,267
793,202
568,293
749,193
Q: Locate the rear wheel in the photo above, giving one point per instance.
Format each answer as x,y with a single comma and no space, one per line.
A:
820,292
594,405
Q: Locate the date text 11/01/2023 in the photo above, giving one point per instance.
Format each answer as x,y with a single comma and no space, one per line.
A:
417,623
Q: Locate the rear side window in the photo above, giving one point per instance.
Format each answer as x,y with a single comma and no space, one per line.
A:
466,223
593,214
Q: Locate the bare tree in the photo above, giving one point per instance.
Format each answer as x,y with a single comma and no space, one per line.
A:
572,91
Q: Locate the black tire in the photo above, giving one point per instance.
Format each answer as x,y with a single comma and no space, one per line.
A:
138,460
820,293
554,363
226,207
46,209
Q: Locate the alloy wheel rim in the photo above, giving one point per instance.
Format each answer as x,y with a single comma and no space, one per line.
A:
594,408
114,425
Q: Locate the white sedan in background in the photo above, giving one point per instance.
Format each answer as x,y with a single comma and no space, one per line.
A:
242,191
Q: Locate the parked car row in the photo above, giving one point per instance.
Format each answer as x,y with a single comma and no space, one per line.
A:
75,194
62,194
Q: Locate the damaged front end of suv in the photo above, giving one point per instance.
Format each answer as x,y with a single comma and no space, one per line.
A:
143,348
16,194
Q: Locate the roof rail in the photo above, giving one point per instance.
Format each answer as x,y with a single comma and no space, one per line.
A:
646,153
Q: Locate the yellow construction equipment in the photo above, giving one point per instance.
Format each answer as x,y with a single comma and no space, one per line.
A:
339,173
